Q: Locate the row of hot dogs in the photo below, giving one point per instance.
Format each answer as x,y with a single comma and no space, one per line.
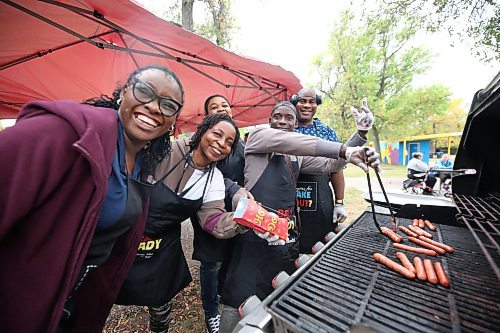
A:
424,270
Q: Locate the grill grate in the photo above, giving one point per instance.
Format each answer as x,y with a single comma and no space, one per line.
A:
345,287
475,207
482,218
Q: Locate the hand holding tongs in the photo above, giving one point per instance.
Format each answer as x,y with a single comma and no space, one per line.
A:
393,217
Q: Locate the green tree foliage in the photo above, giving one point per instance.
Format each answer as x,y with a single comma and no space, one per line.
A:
474,20
220,25
373,56
452,120
415,111
217,26
425,110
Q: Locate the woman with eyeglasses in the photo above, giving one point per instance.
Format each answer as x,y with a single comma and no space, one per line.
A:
73,200
185,182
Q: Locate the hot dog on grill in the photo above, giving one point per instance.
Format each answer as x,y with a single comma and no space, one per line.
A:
391,234
429,270
415,222
441,275
420,242
419,231
429,225
421,223
407,231
406,262
419,266
418,250
416,230
394,266
425,233
447,248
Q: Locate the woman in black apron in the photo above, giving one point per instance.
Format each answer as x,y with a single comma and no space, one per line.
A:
126,200
160,269
211,252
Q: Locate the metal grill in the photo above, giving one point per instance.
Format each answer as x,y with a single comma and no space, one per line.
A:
482,218
345,287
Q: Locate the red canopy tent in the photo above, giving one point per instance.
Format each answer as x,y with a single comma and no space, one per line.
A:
78,49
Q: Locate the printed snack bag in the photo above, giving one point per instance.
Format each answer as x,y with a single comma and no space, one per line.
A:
252,215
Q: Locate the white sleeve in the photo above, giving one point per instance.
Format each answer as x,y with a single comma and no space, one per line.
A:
423,166
216,189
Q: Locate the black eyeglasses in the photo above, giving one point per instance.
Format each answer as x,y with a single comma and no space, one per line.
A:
144,93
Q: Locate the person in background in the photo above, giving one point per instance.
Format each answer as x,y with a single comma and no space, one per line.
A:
319,212
443,163
415,166
245,137
185,181
73,195
273,158
214,253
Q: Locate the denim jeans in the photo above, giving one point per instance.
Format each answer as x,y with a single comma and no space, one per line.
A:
209,273
228,319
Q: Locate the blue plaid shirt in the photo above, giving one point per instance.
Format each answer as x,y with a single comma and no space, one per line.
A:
320,130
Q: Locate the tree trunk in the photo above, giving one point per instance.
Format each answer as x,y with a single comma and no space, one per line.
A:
187,14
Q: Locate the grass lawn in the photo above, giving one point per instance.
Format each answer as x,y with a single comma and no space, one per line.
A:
355,204
388,170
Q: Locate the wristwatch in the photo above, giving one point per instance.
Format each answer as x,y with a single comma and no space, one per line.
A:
339,202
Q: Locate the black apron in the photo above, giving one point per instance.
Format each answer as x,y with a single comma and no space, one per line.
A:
104,239
234,166
206,247
160,269
315,201
254,262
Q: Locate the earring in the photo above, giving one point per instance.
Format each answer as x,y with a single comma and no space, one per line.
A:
147,145
172,128
119,101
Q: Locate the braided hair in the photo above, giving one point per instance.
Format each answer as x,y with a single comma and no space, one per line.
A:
156,149
209,122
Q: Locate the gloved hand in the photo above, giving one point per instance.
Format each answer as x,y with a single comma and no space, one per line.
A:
270,238
364,117
363,157
339,213
241,193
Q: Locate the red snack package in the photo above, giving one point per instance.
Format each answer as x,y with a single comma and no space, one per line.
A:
252,215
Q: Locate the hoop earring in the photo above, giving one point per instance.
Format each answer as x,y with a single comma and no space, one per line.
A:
147,145
172,128
119,101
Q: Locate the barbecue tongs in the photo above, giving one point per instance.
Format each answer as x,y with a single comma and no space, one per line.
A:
393,217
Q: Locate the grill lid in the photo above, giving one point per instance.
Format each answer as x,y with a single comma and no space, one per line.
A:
478,145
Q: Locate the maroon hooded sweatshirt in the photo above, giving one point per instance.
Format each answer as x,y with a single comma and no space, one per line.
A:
55,166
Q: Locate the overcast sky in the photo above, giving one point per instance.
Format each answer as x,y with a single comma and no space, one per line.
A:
298,30
290,33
